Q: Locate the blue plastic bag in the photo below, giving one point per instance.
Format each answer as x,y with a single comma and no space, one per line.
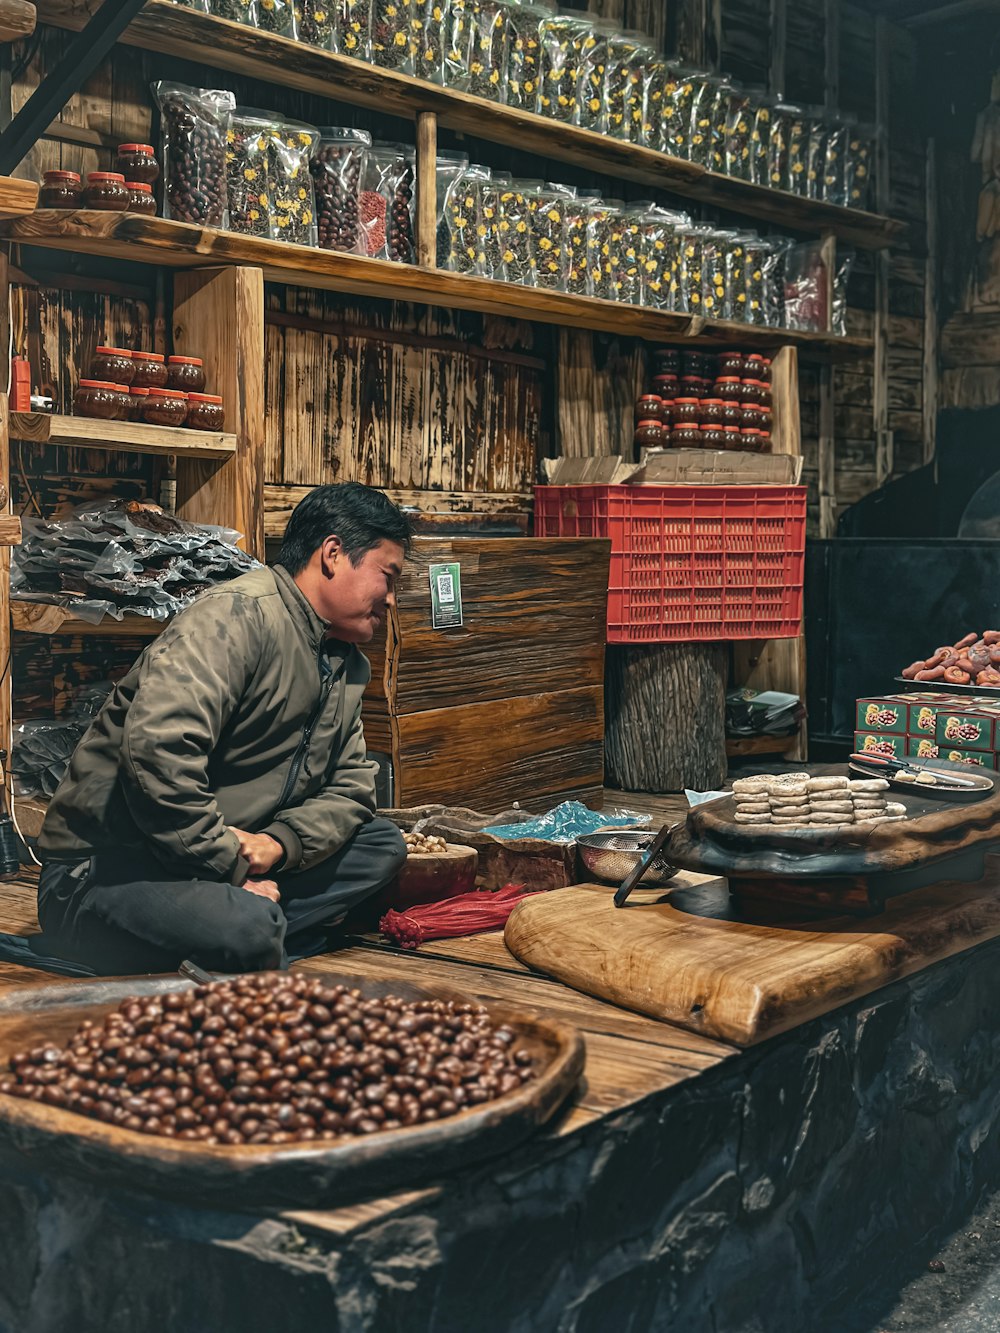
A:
566,823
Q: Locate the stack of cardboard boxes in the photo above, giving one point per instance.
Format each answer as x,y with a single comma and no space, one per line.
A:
925,725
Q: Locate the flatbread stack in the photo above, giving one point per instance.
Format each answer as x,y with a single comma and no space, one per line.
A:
796,800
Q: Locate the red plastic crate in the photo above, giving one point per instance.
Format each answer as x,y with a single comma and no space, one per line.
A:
690,563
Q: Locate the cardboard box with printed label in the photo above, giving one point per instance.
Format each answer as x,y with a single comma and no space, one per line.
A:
888,713
968,728
920,747
892,745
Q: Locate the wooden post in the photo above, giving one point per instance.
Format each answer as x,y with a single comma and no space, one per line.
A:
6,696
664,711
219,316
880,384
786,431
427,189
827,456
929,403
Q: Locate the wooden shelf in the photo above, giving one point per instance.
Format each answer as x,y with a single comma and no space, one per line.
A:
128,236
17,20
123,436
17,197
748,745
175,30
43,618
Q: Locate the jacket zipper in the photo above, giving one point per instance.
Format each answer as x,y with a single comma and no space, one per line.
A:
303,746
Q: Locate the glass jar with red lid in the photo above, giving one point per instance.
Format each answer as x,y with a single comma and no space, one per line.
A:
97,398
751,416
732,415
150,370
755,392
106,192
694,386
666,361
650,435
137,396
137,162
140,198
112,363
686,437
165,407
712,437
205,412
731,363
750,439
187,373
711,412
765,417
765,441
732,437
649,408
758,367
667,413
729,389
699,364
686,412
60,189
666,384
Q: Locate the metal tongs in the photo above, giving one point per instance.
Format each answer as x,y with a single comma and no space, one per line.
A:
642,865
880,764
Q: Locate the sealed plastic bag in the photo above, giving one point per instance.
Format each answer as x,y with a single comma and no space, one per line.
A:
351,28
832,188
458,44
591,112
604,237
489,50
654,77
806,285
248,154
858,156
735,306
783,115
741,116
41,754
628,55
491,247
816,156
293,205
689,273
547,231
314,23
562,37
578,212
726,95
704,110
714,291
431,28
797,123
567,822
515,231
659,255
195,129
386,203
237,11
838,318
336,166
276,17
523,53
449,168
463,222
760,141
626,281
389,45
679,89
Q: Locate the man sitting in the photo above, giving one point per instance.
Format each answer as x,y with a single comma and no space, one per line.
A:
220,808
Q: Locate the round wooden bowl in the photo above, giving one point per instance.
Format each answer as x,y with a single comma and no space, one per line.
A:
323,1175
427,877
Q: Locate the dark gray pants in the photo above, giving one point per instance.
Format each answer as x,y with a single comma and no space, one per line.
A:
103,914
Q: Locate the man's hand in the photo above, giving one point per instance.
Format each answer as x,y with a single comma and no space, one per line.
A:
263,888
260,850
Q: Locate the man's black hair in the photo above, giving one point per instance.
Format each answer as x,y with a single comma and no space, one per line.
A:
359,515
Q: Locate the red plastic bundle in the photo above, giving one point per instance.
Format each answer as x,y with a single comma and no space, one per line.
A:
466,914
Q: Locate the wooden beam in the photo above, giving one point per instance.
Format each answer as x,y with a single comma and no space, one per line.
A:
219,316
10,530
41,618
122,436
17,20
175,30
17,198
427,189
929,403
786,434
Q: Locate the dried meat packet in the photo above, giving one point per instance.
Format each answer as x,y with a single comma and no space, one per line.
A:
449,168
562,37
293,203
463,215
628,55
352,22
430,27
337,167
515,231
276,17
390,35
659,255
248,161
578,213
547,208
604,236
524,53
490,49
194,125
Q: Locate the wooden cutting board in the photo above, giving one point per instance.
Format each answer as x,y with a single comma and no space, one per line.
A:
736,980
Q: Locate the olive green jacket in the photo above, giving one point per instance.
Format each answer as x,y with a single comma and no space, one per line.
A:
241,713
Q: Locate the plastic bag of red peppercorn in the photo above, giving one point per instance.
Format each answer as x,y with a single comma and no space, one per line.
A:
337,168
195,125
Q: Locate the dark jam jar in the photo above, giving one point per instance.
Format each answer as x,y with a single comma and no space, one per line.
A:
666,384
96,398
758,367
150,371
687,412
666,361
187,373
699,364
165,407
694,386
751,417
667,413
750,440
732,416
731,364
649,408
712,437
60,189
650,435
136,162
106,192
711,412
112,363
140,198
686,437
729,389
137,402
732,437
205,412
752,391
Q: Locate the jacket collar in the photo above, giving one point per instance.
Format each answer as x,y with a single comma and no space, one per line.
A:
301,609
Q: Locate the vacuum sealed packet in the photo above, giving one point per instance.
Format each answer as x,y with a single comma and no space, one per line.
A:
449,168
547,207
292,201
390,37
351,29
524,53
515,228
195,125
563,37
337,167
628,55
248,155
386,203
578,212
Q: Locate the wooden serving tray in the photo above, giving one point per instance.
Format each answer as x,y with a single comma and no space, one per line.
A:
264,1177
844,868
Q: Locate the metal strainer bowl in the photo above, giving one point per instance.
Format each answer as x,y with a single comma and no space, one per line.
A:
610,856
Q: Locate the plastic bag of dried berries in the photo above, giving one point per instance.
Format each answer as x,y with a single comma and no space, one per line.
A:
430,25
523,53
390,35
293,203
562,37
514,230
578,212
237,11
337,167
386,203
277,17
194,127
449,168
628,55
248,157
547,208
352,23
603,246
489,49
463,223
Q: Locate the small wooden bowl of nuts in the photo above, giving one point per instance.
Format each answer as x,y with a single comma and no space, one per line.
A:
434,869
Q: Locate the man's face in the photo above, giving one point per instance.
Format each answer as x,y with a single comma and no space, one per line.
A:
355,599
